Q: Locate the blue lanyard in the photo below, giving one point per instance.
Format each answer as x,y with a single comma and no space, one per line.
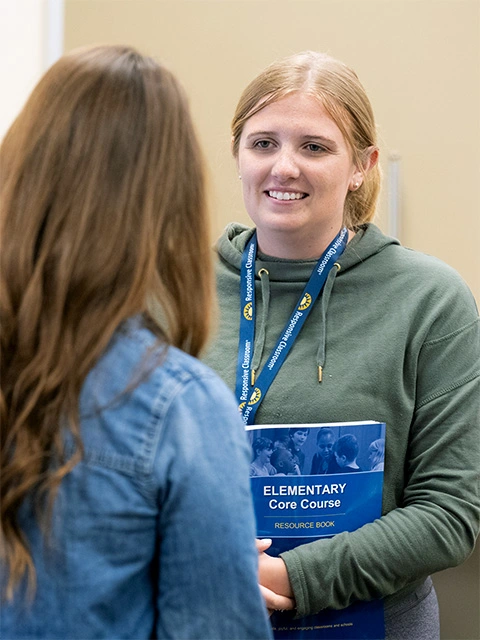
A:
250,398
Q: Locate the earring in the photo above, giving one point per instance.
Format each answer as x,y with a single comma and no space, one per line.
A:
355,186
239,177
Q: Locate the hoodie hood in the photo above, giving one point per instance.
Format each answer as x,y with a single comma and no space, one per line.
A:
367,242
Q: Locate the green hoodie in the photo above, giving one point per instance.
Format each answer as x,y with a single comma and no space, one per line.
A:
397,334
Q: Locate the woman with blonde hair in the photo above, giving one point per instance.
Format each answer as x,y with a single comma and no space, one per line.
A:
325,319
376,455
110,521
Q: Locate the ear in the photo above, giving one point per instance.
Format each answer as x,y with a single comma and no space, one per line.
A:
369,161
371,158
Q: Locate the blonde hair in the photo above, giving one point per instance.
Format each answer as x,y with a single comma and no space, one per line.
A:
340,92
103,214
377,450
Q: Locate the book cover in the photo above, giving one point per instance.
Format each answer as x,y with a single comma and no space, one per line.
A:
311,481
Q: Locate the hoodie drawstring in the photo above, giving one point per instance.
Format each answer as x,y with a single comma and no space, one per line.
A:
324,300
260,333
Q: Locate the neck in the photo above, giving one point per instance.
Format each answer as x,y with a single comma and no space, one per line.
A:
289,247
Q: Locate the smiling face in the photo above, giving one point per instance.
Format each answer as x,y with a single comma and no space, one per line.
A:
325,446
265,454
296,171
298,438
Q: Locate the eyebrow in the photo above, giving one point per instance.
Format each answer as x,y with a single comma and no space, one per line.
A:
306,137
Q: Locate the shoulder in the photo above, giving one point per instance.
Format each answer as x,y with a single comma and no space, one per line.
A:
143,394
141,351
430,277
415,283
393,258
441,298
149,376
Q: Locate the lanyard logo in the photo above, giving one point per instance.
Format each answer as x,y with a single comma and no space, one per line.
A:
305,303
255,397
248,311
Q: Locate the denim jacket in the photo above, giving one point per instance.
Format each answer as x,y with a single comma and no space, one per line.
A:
153,532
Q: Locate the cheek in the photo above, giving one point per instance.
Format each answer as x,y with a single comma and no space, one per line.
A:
244,167
252,170
250,197
334,181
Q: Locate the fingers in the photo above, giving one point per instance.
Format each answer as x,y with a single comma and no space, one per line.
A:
263,545
274,601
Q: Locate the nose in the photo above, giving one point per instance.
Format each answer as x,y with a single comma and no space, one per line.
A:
285,166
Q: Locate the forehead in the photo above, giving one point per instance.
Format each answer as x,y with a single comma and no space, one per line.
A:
325,438
297,113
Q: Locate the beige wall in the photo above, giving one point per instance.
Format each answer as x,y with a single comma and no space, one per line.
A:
418,59
22,55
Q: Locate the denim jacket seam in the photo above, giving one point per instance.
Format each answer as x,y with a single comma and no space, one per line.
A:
156,430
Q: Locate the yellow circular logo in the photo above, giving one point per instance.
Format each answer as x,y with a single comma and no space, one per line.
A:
247,311
241,405
306,302
255,397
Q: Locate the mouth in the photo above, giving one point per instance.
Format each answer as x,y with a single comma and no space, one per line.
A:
286,195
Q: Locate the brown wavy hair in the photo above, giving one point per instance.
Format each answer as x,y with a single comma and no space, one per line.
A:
103,216
339,90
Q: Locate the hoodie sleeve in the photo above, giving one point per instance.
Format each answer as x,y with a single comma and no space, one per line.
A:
437,519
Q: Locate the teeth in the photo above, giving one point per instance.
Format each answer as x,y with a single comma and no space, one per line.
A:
283,195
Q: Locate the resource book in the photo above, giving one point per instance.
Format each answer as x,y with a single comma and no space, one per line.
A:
311,481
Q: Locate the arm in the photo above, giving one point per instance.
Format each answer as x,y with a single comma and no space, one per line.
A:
437,518
207,558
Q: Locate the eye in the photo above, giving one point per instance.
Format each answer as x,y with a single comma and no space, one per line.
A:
262,144
314,147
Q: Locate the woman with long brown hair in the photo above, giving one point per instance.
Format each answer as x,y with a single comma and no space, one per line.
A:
115,496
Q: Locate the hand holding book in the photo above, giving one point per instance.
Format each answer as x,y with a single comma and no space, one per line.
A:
275,602
273,578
